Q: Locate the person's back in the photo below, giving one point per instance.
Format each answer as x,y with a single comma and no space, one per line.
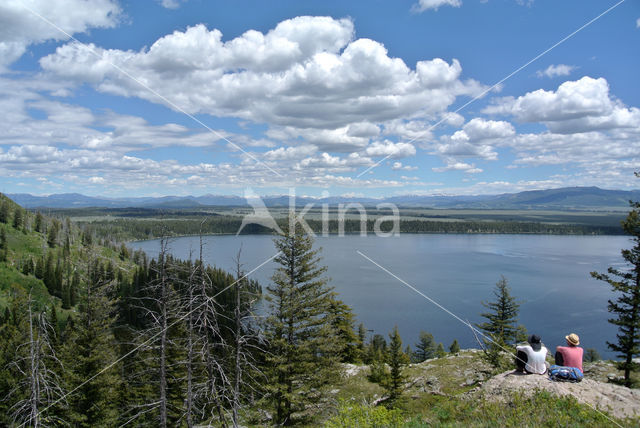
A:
570,355
535,362
531,356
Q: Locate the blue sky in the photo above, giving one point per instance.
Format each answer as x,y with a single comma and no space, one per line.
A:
371,98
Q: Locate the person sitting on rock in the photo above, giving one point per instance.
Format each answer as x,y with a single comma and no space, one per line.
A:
570,355
530,358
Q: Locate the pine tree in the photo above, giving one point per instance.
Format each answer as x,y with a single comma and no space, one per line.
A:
50,274
362,336
408,352
124,252
342,320
39,270
52,235
162,341
440,352
88,350
73,289
397,361
4,210
425,348
4,245
17,218
454,348
66,251
58,279
501,329
55,328
591,355
302,354
626,307
39,221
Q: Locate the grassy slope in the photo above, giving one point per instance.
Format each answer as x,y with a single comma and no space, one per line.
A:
26,243
442,392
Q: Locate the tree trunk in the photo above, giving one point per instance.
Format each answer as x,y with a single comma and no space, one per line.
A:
163,341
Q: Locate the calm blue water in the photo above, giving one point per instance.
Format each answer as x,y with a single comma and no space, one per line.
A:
549,274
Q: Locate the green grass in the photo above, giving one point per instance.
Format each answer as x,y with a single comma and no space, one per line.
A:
439,397
11,281
540,410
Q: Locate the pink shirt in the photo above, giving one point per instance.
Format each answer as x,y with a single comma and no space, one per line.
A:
571,356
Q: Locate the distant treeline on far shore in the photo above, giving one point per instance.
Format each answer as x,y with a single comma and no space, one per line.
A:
123,229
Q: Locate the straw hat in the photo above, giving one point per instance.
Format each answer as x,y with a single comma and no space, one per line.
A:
573,339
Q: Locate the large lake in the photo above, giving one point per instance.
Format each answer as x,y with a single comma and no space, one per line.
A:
549,274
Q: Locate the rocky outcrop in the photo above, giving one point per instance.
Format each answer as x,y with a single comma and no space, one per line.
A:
616,400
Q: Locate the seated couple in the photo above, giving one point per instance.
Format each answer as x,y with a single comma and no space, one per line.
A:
530,358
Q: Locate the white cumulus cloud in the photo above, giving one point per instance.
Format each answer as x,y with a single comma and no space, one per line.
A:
556,70
423,5
307,74
576,106
390,149
459,166
20,25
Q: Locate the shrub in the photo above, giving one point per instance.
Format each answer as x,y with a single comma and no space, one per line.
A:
362,415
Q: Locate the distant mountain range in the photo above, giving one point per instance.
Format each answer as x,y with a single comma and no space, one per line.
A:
566,198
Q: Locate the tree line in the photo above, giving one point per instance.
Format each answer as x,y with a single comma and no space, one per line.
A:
123,229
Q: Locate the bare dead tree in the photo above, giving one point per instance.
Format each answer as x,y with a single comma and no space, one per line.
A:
160,305
190,344
244,338
238,348
42,385
208,327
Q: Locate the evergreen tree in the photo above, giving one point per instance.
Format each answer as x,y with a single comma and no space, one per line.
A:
17,218
50,279
73,289
4,245
362,336
626,307
163,355
66,296
440,352
408,352
397,360
39,270
4,210
39,221
342,320
378,343
501,329
66,251
89,348
27,266
454,348
425,348
58,279
591,355
378,369
302,354
52,234
55,328
124,252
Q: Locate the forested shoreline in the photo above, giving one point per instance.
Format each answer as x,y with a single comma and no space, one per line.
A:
125,229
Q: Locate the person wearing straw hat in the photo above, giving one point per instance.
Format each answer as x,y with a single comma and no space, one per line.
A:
570,355
530,358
